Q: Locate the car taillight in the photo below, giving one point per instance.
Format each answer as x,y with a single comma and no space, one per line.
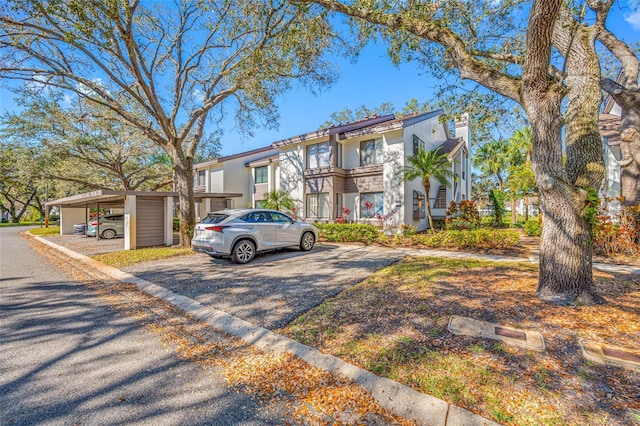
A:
215,228
96,223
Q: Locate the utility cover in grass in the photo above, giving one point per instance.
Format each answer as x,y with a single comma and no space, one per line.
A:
525,339
602,354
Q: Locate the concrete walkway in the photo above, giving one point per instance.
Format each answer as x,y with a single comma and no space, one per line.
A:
533,258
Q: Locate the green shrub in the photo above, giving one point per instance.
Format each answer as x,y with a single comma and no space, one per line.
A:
478,238
407,230
349,232
497,199
532,228
462,215
176,224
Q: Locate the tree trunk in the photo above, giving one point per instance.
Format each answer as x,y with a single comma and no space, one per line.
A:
566,275
183,168
514,214
584,147
427,188
565,246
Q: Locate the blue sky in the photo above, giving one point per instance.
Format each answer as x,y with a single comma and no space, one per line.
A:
370,81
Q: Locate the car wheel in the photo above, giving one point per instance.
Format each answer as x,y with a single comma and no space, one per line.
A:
108,234
307,241
243,252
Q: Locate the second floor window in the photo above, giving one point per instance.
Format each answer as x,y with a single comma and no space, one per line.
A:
318,155
371,152
202,178
418,145
262,174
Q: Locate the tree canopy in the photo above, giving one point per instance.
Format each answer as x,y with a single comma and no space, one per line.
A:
163,68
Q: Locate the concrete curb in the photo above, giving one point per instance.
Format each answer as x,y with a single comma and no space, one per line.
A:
396,397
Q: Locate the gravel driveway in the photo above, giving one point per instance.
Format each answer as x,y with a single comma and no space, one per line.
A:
273,289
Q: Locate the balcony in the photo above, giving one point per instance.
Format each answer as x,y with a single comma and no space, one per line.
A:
320,172
327,171
374,169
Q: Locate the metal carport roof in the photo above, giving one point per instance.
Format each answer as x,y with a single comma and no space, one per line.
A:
110,198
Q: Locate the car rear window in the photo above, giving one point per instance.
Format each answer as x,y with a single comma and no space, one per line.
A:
215,218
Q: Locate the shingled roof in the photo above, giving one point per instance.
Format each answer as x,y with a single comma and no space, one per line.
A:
451,147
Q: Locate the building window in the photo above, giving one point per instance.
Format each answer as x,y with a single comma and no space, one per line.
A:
339,155
339,205
418,145
262,174
418,205
318,155
371,152
202,178
318,206
371,204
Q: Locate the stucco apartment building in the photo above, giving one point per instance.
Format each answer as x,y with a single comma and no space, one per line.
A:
355,167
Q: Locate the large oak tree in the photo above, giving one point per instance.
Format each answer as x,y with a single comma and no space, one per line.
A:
463,36
163,67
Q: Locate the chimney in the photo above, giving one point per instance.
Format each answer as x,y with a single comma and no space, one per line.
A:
463,129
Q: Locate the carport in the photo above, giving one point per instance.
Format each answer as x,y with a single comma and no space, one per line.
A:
148,216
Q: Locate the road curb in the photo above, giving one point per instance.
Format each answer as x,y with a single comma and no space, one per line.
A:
402,400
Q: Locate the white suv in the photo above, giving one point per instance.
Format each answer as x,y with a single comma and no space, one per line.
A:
241,233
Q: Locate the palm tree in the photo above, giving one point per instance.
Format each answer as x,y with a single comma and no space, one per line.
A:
492,159
278,200
425,165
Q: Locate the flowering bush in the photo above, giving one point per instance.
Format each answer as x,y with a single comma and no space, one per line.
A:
388,222
344,216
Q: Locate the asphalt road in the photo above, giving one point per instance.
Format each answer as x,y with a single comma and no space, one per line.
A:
67,359
275,287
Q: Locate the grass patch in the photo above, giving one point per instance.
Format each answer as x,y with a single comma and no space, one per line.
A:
46,232
119,259
395,324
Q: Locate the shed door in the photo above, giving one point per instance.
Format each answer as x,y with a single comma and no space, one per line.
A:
150,221
217,204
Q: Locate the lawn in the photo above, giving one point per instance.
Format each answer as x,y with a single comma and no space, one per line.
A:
44,232
121,259
395,324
